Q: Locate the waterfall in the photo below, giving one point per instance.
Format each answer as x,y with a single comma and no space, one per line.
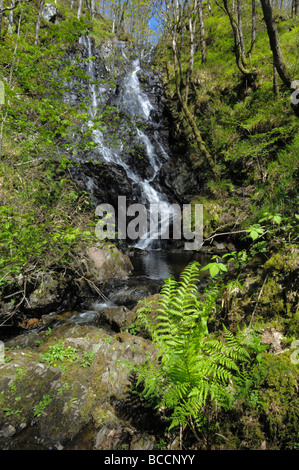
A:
134,102
87,43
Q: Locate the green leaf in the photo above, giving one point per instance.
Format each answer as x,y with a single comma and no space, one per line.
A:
255,231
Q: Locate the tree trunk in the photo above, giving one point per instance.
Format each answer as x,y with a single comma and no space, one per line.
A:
275,81
92,7
79,10
240,30
192,15
190,119
240,56
253,27
10,19
16,48
278,59
1,15
38,21
203,48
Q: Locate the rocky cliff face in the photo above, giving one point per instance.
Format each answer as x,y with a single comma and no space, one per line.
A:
134,140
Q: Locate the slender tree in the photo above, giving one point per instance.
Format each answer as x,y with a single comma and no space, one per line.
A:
253,27
278,59
295,7
1,15
275,81
79,12
14,5
192,17
240,30
236,25
173,15
203,47
38,21
11,18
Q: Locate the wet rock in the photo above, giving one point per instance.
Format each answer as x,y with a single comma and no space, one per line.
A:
105,182
114,438
130,295
49,293
106,263
180,179
116,318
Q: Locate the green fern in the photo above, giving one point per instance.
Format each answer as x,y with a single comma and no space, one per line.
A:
193,369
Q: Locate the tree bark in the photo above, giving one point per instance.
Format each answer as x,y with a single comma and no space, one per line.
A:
240,30
275,81
1,14
278,59
11,18
191,121
92,8
79,10
253,27
239,48
192,15
203,48
295,7
38,21
16,48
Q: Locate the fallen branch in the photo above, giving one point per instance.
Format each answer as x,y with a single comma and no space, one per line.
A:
224,233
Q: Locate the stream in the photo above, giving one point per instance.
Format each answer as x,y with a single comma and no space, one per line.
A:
150,270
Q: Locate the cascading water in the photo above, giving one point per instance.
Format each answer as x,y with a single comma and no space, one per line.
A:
135,103
87,43
139,113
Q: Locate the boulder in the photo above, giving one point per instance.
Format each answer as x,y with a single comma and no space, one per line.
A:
49,12
106,262
116,318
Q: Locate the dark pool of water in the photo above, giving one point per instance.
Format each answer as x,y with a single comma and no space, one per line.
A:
157,265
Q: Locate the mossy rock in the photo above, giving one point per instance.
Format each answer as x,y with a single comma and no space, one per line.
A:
271,299
284,262
54,400
272,422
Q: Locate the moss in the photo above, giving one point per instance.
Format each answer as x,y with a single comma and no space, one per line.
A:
271,300
273,422
280,401
212,212
283,262
292,324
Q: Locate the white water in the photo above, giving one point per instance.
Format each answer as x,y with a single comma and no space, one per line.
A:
134,101
86,42
137,104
